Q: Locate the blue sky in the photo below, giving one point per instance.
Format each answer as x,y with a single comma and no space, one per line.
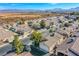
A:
38,5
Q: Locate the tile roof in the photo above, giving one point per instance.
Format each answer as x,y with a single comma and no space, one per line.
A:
75,47
5,34
63,48
52,40
5,48
23,28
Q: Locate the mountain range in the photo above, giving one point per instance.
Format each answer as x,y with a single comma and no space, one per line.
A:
40,11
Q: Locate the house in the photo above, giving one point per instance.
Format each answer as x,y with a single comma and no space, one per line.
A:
76,34
66,16
63,49
6,35
23,29
27,42
5,48
51,42
66,31
75,47
74,17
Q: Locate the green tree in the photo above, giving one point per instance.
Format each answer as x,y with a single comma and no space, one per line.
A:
30,23
36,37
52,29
42,23
18,45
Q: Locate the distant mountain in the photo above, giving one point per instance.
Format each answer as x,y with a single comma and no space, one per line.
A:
22,11
67,10
57,10
74,9
15,10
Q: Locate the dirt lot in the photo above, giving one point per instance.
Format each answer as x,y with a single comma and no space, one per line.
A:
12,17
6,15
